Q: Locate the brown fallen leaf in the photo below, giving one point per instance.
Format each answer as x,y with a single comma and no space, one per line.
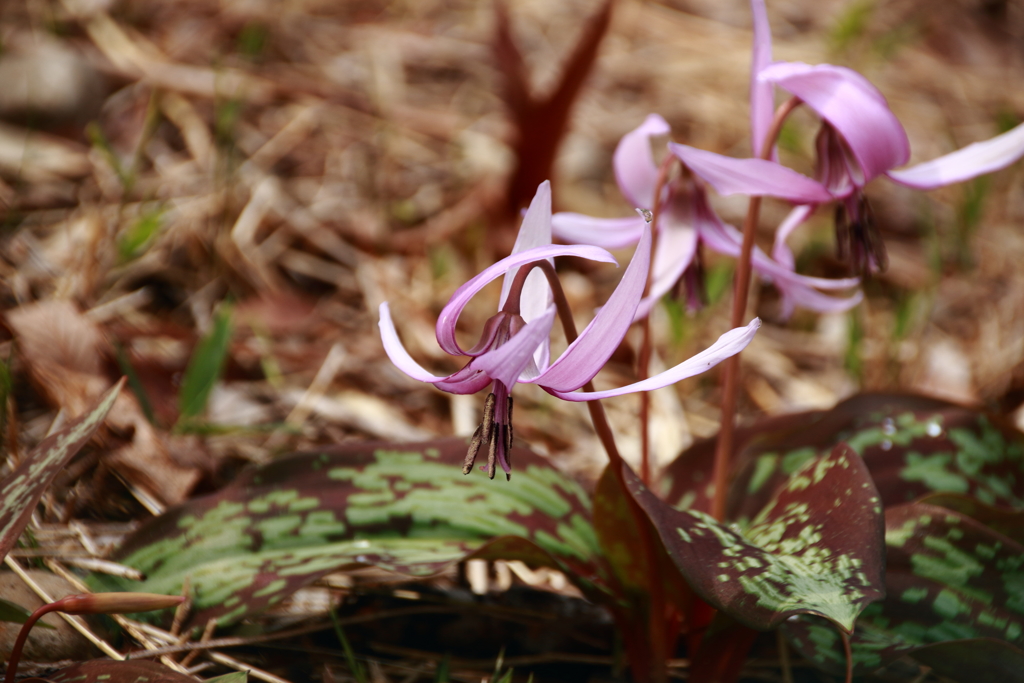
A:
64,352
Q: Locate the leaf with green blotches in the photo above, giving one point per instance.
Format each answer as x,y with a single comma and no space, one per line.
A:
619,536
816,547
129,671
22,488
914,446
406,508
205,367
1009,523
949,579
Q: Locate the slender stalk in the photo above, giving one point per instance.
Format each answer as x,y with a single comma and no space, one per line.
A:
741,289
849,655
19,643
644,357
657,635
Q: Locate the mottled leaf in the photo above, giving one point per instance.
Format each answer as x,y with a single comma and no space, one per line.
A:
22,488
129,671
949,578
816,547
1009,523
913,446
403,507
970,661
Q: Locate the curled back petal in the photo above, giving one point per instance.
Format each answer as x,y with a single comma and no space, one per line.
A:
852,106
726,239
635,170
534,232
610,233
729,344
450,313
969,162
758,177
762,101
781,251
595,345
794,295
465,381
507,362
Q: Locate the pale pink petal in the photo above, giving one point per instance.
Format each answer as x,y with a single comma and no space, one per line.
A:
813,300
758,177
534,232
762,100
610,233
971,161
635,170
595,345
465,381
507,362
726,239
781,251
852,106
729,344
450,313
676,247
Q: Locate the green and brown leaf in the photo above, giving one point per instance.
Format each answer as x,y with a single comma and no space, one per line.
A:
402,507
815,547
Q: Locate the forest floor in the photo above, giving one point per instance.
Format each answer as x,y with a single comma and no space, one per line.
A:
301,161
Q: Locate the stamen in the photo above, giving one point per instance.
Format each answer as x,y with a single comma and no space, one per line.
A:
492,455
508,440
484,434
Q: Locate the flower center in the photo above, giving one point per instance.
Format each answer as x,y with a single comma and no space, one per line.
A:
857,238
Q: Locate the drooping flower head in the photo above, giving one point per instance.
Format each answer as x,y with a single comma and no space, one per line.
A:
687,221
860,139
514,345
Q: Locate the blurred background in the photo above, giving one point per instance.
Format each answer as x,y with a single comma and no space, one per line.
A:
237,185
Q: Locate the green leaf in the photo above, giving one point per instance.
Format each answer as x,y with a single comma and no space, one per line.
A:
233,677
22,488
133,240
815,548
16,614
913,446
205,366
404,507
949,579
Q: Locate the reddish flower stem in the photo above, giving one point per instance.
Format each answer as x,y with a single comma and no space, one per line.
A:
849,655
654,666
19,643
644,357
741,289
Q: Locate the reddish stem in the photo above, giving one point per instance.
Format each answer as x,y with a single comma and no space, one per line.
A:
731,375
644,357
19,644
653,666
849,655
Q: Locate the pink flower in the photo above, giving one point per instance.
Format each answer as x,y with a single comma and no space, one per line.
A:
687,220
860,139
514,345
